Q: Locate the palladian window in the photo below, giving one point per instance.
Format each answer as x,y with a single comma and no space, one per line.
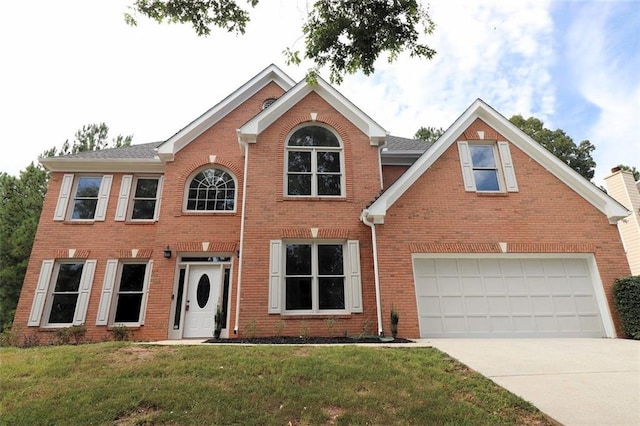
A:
212,190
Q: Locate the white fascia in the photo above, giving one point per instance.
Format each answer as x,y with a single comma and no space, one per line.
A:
53,164
194,129
479,109
249,131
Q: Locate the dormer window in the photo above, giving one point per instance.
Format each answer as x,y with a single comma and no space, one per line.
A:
314,163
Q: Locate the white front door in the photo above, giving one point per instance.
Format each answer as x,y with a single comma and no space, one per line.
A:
203,293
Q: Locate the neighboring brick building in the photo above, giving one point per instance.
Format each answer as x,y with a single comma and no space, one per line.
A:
296,213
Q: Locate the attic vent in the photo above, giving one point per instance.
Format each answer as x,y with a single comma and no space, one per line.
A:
267,103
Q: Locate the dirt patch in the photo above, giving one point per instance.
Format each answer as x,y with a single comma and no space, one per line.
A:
143,414
333,413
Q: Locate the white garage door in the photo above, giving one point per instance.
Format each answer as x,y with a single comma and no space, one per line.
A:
506,297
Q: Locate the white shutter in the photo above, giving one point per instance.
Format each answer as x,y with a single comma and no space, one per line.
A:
145,290
103,197
275,277
507,167
107,292
123,198
86,280
354,277
63,198
156,214
41,292
467,166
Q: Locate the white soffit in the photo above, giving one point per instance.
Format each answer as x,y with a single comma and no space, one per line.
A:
249,131
86,165
194,129
479,109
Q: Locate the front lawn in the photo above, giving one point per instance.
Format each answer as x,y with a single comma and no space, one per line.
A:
134,384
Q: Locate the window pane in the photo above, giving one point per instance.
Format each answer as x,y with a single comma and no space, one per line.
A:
482,156
63,308
84,209
143,209
298,259
299,185
128,309
331,293
486,180
211,190
299,161
330,260
298,294
328,162
313,136
328,184
88,187
68,277
132,277
146,188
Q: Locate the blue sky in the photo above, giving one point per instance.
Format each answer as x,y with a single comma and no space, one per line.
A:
573,64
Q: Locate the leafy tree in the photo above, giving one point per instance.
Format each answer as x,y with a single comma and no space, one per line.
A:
22,199
578,157
636,172
346,35
429,134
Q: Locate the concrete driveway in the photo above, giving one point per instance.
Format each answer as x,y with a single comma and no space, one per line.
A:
573,381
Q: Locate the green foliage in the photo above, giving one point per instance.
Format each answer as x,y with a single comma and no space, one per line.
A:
633,170
251,328
348,36
22,199
578,157
124,383
429,134
395,318
74,334
626,298
91,137
120,333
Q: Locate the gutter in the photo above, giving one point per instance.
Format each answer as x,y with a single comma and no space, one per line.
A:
376,274
242,220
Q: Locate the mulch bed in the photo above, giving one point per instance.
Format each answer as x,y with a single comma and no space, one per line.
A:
292,340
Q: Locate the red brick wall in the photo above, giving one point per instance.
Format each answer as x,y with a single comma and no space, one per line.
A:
436,214
391,173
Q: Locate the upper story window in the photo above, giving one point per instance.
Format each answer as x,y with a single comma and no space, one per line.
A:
314,163
211,190
487,166
139,198
83,198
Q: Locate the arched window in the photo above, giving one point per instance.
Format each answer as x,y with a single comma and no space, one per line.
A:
314,164
212,190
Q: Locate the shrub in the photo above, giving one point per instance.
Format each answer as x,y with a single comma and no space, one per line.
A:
120,333
626,298
74,334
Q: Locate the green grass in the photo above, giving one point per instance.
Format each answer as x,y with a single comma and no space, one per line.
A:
135,384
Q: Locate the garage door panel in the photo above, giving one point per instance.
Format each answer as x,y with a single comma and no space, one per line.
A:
506,297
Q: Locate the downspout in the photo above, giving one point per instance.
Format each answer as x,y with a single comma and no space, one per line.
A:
242,220
376,274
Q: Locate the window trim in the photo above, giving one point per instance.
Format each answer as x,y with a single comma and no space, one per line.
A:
68,191
504,166
43,298
110,292
314,166
351,273
126,198
187,186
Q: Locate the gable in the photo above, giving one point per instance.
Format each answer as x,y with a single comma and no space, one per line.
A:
271,74
471,126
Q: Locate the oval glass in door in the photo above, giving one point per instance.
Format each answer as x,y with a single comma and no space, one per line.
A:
203,291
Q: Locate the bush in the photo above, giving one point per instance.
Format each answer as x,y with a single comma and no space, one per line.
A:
626,298
120,333
74,334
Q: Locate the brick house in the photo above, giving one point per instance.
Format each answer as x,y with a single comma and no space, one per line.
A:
296,213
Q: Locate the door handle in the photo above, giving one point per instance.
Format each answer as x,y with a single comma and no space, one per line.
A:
187,307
